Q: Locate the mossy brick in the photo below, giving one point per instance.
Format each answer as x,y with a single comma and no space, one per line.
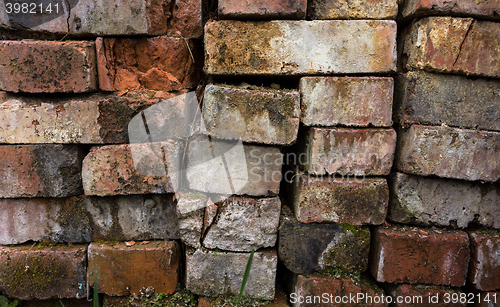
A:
40,171
214,273
442,202
421,295
48,66
484,269
473,8
262,10
346,101
123,270
449,152
444,99
403,254
357,9
305,248
283,47
33,272
452,45
262,115
328,199
347,151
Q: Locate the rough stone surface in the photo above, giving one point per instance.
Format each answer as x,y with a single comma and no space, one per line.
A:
123,270
457,101
422,295
261,9
349,9
257,115
346,101
449,152
443,202
454,45
482,9
28,272
158,63
348,151
304,248
40,171
299,47
190,213
337,200
48,67
214,273
401,254
243,224
484,269
132,169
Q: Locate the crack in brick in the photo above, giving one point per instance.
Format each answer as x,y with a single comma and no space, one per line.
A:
461,44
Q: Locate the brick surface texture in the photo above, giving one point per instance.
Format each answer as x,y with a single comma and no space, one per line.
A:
358,9
485,260
259,9
480,9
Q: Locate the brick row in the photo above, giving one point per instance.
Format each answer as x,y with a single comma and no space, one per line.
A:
480,9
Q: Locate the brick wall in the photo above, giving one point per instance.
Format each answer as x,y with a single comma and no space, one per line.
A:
152,145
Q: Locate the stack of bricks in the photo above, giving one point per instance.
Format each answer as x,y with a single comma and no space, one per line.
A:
355,146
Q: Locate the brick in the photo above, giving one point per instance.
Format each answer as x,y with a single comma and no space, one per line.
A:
401,254
452,45
486,299
348,151
123,270
68,302
358,9
48,67
274,9
299,47
241,224
28,272
304,248
158,63
324,290
337,200
214,273
53,22
190,213
442,202
457,101
449,152
132,169
187,19
40,171
479,9
207,171
424,295
346,101
258,115
484,269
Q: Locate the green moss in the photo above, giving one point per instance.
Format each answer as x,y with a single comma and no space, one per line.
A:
339,273
361,233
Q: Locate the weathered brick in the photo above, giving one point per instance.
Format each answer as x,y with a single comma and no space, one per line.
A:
348,151
40,171
324,290
214,273
122,270
486,299
28,272
449,152
484,269
260,9
253,170
481,9
357,9
457,101
190,213
402,254
346,101
132,169
304,248
457,45
443,202
158,63
299,47
425,295
337,200
257,115
48,67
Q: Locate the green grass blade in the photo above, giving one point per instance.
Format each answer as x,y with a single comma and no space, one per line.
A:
245,276
96,294
61,303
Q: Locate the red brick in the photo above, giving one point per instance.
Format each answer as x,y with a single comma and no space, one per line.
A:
122,270
186,19
484,270
348,151
422,295
48,67
158,63
346,101
30,272
261,9
40,171
474,8
419,255
348,9
449,152
456,45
